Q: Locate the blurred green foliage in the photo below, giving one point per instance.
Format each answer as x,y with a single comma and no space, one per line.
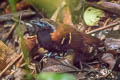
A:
20,34
54,76
46,6
12,4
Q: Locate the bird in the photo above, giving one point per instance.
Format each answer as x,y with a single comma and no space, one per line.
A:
58,37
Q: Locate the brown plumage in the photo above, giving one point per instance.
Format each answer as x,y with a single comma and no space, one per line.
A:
78,41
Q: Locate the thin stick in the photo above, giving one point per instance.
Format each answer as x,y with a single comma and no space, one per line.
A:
26,13
9,33
102,28
106,22
20,61
10,64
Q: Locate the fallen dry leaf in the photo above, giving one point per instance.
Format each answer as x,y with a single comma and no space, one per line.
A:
6,55
22,5
30,42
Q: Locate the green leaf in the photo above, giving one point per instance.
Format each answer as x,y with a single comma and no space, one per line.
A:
20,33
25,50
54,76
19,30
92,16
12,5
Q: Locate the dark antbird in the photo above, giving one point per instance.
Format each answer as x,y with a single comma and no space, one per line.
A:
58,37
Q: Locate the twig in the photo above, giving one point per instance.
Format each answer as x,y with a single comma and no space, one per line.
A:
7,17
22,22
20,61
10,64
10,32
106,22
107,6
102,28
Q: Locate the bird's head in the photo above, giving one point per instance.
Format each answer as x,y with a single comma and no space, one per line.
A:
44,25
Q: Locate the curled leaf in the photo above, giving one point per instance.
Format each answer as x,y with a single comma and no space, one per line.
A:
92,16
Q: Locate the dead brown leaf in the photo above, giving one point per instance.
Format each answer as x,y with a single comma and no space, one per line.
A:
6,55
30,42
19,6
